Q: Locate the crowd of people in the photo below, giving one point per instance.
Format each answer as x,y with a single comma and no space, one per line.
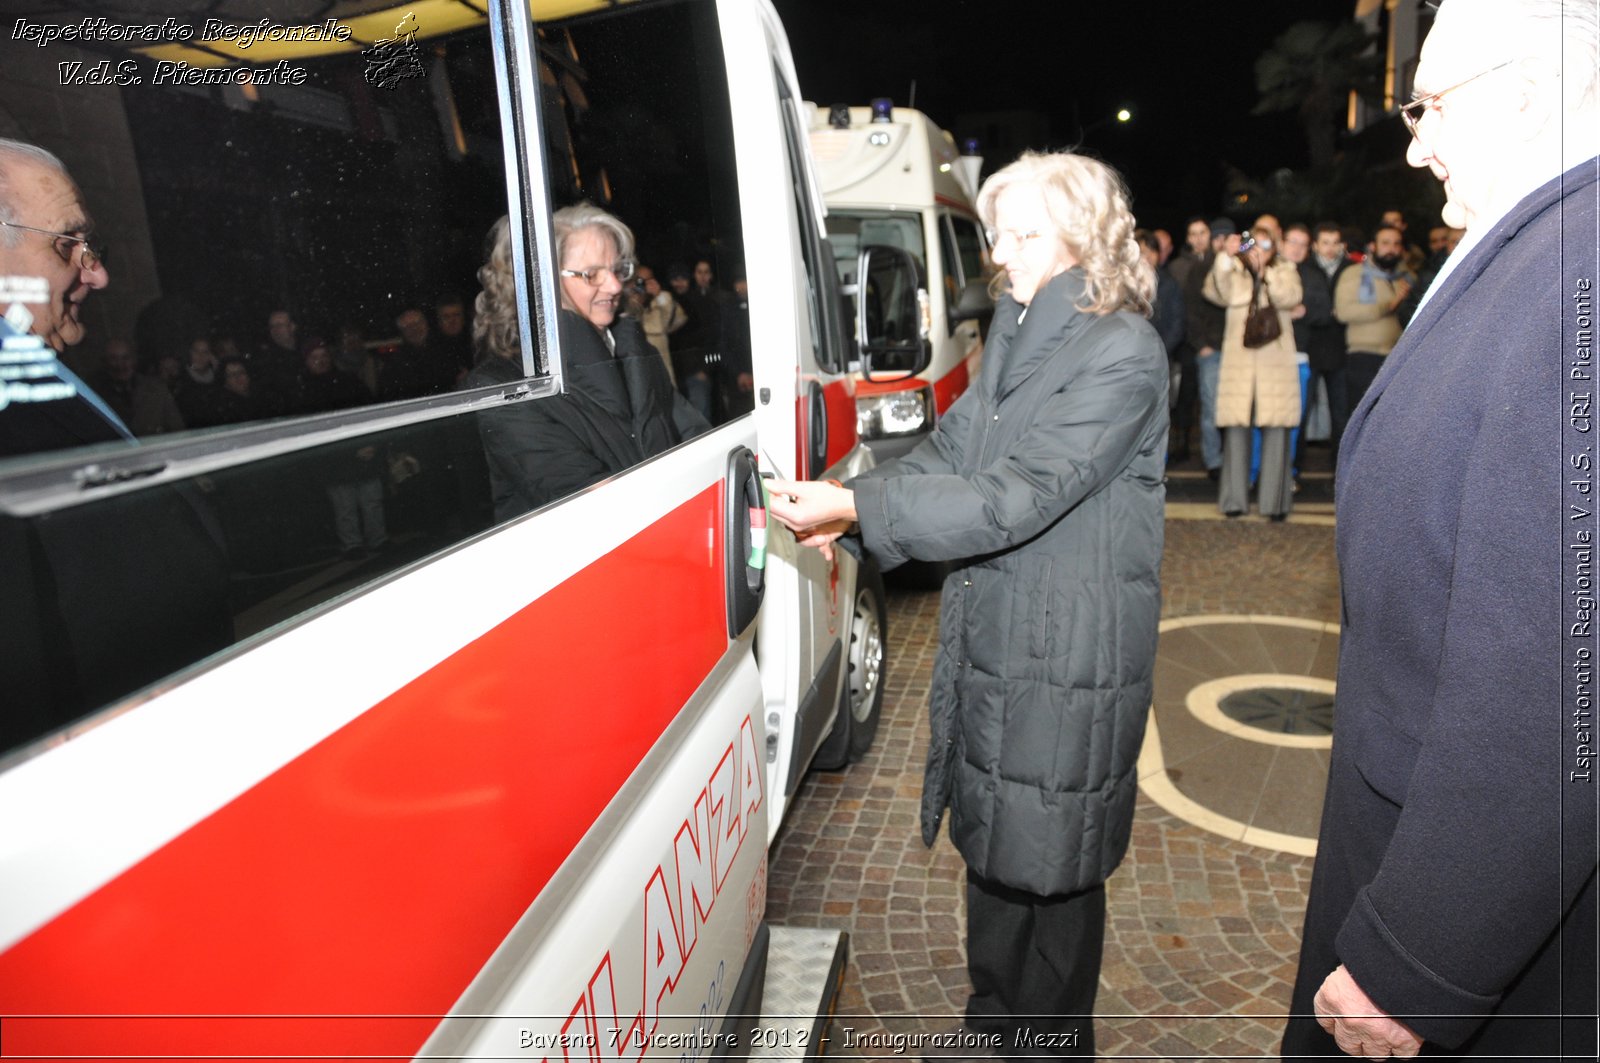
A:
1340,302
170,380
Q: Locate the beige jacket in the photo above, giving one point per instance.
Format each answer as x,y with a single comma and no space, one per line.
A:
660,317
1372,327
1267,377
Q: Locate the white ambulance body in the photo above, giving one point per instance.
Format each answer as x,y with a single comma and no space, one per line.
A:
501,784
891,176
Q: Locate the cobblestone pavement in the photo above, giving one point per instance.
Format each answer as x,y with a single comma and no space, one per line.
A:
1203,932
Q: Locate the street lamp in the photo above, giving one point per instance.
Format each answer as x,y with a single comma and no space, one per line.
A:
1122,116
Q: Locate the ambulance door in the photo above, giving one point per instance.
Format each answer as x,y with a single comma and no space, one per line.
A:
805,406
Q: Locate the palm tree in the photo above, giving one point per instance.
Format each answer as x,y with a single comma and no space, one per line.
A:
1311,69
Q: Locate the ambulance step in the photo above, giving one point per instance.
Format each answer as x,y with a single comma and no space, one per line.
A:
805,969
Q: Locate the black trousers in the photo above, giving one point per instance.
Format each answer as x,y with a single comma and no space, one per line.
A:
1333,380
1035,965
1186,406
1360,370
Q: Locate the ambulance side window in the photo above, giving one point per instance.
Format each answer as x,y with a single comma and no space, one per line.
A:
283,239
636,122
969,244
952,269
331,231
281,325
828,310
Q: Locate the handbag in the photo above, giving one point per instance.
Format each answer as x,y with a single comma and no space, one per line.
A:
1261,324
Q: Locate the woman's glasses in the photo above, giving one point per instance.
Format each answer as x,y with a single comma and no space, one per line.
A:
623,271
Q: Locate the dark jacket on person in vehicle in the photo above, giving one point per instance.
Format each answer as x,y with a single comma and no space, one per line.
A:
1044,484
615,412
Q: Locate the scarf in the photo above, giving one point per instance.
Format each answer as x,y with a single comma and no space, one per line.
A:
1369,279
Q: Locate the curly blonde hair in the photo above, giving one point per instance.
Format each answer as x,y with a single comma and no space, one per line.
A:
494,321
1089,205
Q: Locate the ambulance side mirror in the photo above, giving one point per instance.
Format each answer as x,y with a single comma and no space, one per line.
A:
893,319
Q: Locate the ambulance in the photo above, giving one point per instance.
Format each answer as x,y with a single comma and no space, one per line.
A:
891,176
310,748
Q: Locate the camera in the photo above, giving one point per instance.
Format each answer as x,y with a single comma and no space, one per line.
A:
1246,242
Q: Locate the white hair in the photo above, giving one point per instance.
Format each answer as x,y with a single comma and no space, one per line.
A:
1576,24
580,216
12,152
1565,33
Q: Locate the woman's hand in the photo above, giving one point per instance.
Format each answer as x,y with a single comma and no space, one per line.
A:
822,537
817,512
808,505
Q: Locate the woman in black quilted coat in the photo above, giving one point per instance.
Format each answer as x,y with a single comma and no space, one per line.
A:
1043,485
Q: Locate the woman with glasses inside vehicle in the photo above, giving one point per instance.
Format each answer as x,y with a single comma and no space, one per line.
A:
1043,486
1258,380
619,406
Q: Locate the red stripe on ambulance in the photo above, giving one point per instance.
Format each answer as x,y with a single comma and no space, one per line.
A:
839,396
356,891
951,386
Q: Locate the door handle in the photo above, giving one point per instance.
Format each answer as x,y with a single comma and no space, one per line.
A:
744,516
816,431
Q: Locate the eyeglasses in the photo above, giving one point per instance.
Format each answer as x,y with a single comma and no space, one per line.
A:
1411,113
622,271
994,236
91,254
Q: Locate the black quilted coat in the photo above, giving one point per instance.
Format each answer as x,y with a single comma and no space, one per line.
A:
1044,484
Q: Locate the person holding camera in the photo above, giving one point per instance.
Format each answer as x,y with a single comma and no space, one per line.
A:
657,312
1258,382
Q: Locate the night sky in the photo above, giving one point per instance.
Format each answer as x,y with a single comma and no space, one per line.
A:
1185,68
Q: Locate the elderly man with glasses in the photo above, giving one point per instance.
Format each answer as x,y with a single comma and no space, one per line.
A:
46,239
46,232
1453,903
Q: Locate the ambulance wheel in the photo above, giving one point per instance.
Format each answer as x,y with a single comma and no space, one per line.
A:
867,660
861,699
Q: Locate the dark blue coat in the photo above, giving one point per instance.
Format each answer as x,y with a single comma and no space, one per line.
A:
1458,835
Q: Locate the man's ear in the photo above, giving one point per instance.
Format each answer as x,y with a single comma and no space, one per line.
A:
1536,90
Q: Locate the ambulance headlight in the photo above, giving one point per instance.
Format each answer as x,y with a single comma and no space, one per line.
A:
894,413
